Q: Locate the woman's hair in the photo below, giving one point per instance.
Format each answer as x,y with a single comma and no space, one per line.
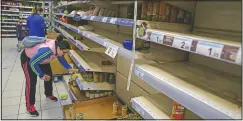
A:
62,44
37,9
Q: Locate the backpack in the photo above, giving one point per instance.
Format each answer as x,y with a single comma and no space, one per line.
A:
30,41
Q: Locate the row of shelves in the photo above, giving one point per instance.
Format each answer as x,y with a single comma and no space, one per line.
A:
225,50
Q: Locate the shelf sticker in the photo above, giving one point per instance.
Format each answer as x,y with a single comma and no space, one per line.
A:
209,49
140,74
80,47
238,57
92,17
157,37
194,45
229,53
111,50
168,40
182,43
104,19
113,20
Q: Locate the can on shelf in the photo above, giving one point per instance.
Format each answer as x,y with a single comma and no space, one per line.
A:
173,14
90,77
86,93
72,112
111,79
180,16
106,77
115,107
91,95
101,77
97,94
124,110
178,111
80,116
74,83
163,11
84,75
156,10
144,9
150,10
96,77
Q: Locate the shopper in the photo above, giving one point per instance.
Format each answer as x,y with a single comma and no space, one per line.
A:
35,62
36,23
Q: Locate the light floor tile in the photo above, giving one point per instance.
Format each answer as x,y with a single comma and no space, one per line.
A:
14,86
53,113
47,104
10,117
12,93
37,98
10,110
10,101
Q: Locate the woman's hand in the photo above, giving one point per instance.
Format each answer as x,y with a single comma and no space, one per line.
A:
72,70
46,78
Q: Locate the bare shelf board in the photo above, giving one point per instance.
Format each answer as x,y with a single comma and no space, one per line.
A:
3,30
152,107
10,14
10,19
10,11
91,61
83,45
206,92
84,85
9,22
104,41
225,50
16,6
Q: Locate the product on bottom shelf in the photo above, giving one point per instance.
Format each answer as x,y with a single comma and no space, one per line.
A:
144,9
156,11
150,10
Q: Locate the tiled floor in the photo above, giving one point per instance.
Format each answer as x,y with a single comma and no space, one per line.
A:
13,85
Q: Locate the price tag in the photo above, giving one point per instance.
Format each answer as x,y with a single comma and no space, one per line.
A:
238,57
92,17
182,43
111,50
140,74
113,20
104,19
157,37
209,49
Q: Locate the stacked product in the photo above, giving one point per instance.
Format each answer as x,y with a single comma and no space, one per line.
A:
163,12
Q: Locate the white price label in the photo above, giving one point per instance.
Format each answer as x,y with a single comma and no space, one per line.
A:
140,74
92,17
113,20
238,57
157,38
111,50
104,19
209,49
182,43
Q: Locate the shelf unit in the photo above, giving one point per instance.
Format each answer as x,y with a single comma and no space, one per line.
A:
197,64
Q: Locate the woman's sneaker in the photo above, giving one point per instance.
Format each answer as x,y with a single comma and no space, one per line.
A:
53,98
32,111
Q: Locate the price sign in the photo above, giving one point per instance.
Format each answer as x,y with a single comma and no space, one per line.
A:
113,20
157,37
140,74
111,50
104,19
209,49
182,43
92,17
238,57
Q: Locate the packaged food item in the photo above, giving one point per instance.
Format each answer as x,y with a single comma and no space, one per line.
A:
150,10
173,14
180,16
105,12
101,78
96,77
156,10
86,93
178,111
91,95
124,110
84,75
90,77
106,77
144,9
101,12
187,17
115,107
80,116
72,112
111,79
97,94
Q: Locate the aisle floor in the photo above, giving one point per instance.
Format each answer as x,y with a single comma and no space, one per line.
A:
13,88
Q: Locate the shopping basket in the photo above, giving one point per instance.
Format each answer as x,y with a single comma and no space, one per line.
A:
21,32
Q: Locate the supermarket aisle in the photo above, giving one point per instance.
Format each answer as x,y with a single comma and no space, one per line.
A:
13,84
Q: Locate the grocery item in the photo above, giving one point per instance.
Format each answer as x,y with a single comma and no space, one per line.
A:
162,11
96,11
124,110
90,77
180,16
177,111
72,112
106,77
187,17
91,95
144,9
150,10
111,79
86,93
101,12
173,14
101,77
80,116
63,96
156,10
96,77
115,107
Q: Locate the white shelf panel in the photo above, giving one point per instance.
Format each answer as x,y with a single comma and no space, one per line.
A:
8,30
83,85
201,90
10,19
100,40
9,26
10,14
10,11
9,22
16,6
8,35
24,12
66,79
85,45
206,46
91,61
64,91
147,109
